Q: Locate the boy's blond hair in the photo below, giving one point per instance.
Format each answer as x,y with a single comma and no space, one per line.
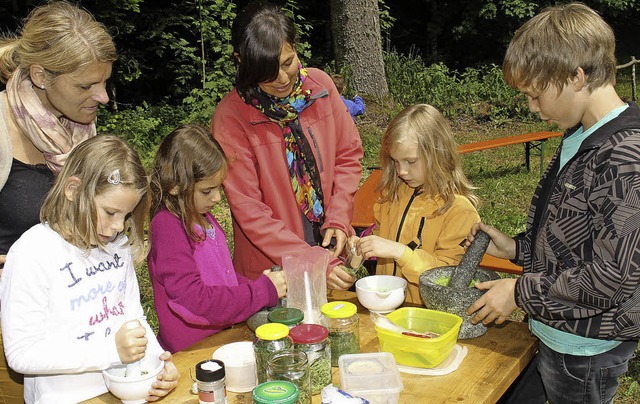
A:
550,47
94,162
444,177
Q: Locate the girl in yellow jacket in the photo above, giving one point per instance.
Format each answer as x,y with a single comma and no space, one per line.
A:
426,206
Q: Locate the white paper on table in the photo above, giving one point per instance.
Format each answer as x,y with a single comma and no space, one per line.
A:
451,363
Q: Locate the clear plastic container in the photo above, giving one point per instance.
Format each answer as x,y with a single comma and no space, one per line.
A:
271,337
292,366
288,316
313,340
343,323
373,376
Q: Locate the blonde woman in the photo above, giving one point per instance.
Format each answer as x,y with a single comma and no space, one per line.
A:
426,207
55,72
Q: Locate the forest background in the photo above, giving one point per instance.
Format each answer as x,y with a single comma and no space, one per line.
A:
175,64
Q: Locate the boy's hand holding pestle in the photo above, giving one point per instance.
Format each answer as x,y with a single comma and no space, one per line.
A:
131,343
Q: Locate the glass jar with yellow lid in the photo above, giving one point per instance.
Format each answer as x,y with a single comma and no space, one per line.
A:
342,319
271,337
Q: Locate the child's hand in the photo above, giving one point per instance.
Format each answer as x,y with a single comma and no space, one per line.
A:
375,246
340,279
167,379
131,342
352,242
278,280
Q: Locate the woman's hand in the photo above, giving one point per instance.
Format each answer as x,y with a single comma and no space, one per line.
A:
167,379
340,237
501,245
375,246
340,279
131,342
278,280
496,304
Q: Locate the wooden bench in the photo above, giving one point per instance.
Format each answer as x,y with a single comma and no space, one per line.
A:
531,141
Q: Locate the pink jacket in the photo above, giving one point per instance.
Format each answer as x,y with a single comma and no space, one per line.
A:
267,221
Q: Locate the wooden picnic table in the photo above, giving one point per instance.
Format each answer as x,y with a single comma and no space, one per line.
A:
493,362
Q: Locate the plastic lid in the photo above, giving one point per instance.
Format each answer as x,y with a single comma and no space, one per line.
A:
210,370
272,331
308,333
339,309
286,315
275,392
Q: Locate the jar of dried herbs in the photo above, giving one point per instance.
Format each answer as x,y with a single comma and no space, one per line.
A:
343,322
313,339
289,316
271,337
291,366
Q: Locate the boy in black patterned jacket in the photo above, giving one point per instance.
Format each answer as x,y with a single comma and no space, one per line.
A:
581,247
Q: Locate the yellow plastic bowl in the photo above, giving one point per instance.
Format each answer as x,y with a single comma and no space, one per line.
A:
416,351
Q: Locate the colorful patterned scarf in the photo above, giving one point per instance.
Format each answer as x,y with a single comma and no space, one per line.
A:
54,137
303,170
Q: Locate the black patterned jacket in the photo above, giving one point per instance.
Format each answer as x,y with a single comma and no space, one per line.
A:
581,249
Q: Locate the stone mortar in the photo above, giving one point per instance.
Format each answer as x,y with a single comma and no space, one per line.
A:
454,300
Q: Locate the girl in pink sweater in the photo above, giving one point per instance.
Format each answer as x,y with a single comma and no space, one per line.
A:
197,293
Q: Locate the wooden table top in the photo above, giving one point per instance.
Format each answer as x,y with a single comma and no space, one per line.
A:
493,362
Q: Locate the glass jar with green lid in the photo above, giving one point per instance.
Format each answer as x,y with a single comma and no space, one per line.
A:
313,339
289,316
275,392
271,337
343,328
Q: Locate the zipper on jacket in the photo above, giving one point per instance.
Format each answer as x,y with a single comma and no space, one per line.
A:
404,215
315,145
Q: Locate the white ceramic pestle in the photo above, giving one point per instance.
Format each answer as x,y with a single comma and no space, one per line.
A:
134,369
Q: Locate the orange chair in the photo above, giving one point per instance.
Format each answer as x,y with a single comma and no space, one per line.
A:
363,217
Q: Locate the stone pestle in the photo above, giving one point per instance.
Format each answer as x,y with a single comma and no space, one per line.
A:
464,272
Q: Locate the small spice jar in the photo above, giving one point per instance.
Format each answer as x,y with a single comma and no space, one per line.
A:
210,377
288,316
292,366
313,340
343,328
277,391
271,337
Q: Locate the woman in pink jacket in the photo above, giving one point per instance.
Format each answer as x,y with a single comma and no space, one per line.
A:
294,151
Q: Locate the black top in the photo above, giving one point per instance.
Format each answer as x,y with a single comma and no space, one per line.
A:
21,199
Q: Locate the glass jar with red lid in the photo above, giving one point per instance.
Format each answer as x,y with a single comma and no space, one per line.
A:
313,340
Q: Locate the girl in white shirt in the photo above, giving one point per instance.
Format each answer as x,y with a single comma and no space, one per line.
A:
69,284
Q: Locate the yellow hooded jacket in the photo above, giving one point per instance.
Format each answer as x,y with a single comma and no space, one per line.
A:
432,241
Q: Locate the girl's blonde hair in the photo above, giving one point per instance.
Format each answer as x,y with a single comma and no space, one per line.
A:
94,162
58,36
425,125
186,156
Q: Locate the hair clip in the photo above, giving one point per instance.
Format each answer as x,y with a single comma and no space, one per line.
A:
114,177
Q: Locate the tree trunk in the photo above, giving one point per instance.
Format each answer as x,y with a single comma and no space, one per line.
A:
357,43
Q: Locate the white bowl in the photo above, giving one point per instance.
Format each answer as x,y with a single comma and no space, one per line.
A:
133,390
381,293
239,366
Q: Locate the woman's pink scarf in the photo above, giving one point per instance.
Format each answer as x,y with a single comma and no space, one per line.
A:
54,137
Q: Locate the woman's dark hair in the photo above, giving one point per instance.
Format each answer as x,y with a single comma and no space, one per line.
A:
257,35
